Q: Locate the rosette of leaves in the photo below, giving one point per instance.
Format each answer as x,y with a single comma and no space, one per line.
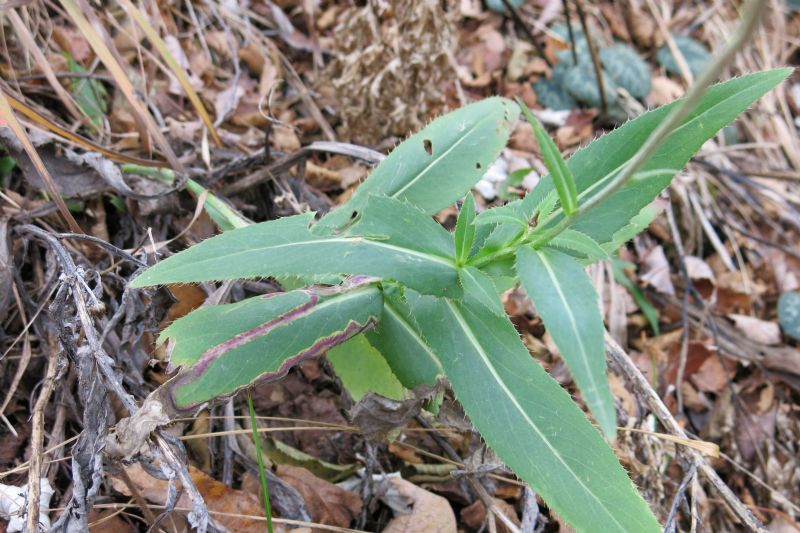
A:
580,82
627,69
427,300
696,54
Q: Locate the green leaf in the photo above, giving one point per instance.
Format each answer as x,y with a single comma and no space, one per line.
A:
479,289
576,241
438,165
465,229
627,69
567,302
89,93
501,215
596,164
363,369
401,224
221,213
633,228
228,347
286,247
530,421
553,95
398,339
696,55
580,82
563,180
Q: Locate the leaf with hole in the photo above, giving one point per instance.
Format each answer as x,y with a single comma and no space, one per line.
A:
438,165
287,247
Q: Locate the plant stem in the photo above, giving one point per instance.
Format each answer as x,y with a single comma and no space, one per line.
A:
262,474
598,71
750,18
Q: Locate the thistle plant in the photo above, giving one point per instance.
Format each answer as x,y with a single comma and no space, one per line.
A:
380,269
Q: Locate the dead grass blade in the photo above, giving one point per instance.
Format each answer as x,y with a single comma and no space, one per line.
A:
29,43
101,49
8,116
39,119
161,46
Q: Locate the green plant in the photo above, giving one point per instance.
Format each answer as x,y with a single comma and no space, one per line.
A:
427,300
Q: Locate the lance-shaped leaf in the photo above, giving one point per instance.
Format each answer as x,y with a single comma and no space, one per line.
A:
562,178
227,347
465,229
436,166
401,224
574,240
529,420
567,302
286,247
479,288
398,339
596,164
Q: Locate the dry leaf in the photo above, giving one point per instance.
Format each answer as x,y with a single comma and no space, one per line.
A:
758,330
429,513
218,496
657,271
327,503
474,516
663,91
701,275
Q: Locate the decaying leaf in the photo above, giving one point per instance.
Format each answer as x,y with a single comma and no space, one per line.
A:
327,503
428,513
378,417
219,498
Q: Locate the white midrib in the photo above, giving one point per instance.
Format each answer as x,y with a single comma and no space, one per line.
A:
436,160
428,257
573,324
411,331
479,348
591,188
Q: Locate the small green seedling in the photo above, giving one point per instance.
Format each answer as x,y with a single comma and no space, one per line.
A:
428,302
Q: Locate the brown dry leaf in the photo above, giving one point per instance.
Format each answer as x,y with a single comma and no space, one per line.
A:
711,376
429,513
474,516
761,331
663,91
378,418
657,271
327,503
108,522
734,293
613,15
187,299
578,127
219,497
701,275
642,26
